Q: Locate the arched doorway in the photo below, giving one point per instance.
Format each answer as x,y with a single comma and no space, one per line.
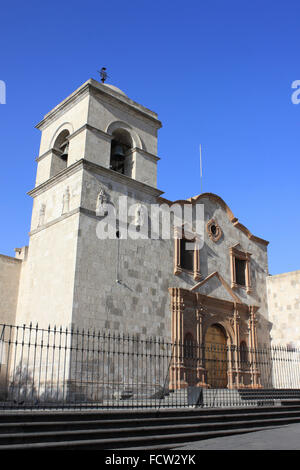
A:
216,357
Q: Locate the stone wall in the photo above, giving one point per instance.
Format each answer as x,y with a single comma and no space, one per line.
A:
140,302
9,286
284,308
47,277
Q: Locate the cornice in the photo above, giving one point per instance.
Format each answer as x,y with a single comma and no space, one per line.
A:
49,117
130,105
78,210
103,134
83,164
54,221
61,176
123,179
231,217
149,155
229,213
48,152
189,298
92,86
239,253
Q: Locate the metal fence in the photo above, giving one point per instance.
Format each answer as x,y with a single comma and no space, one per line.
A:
63,368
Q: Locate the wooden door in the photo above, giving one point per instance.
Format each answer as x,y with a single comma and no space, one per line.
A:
216,357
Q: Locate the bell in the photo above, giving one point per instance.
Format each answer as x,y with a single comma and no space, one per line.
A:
118,152
118,158
65,149
64,156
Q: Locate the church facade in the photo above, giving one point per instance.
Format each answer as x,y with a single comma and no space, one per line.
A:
97,148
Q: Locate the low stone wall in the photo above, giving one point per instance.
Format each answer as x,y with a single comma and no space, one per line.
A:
284,308
9,286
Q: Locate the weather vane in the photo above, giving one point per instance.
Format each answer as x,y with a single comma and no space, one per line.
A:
103,74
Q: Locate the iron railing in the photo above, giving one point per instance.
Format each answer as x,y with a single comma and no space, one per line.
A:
61,367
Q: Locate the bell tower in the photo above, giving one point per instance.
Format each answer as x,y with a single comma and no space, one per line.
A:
100,124
96,145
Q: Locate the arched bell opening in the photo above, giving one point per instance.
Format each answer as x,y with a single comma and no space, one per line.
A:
120,155
61,145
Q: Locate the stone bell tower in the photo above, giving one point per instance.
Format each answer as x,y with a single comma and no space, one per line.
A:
96,143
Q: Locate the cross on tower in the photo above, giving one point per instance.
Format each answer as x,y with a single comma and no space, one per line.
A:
103,74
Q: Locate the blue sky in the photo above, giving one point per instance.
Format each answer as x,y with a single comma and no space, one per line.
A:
217,73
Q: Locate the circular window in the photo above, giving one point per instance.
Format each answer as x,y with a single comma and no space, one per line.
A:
214,230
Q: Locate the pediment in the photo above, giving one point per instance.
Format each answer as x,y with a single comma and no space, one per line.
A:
213,277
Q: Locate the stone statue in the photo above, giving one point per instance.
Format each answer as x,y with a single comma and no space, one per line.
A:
139,216
66,201
101,204
42,214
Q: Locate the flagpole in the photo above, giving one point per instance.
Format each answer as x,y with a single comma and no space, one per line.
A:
200,167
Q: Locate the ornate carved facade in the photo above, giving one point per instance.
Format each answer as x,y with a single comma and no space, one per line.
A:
193,317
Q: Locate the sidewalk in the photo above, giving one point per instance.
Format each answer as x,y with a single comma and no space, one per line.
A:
278,438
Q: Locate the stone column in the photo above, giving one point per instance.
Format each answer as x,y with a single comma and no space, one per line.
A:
197,272
236,329
177,269
201,379
177,369
255,374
